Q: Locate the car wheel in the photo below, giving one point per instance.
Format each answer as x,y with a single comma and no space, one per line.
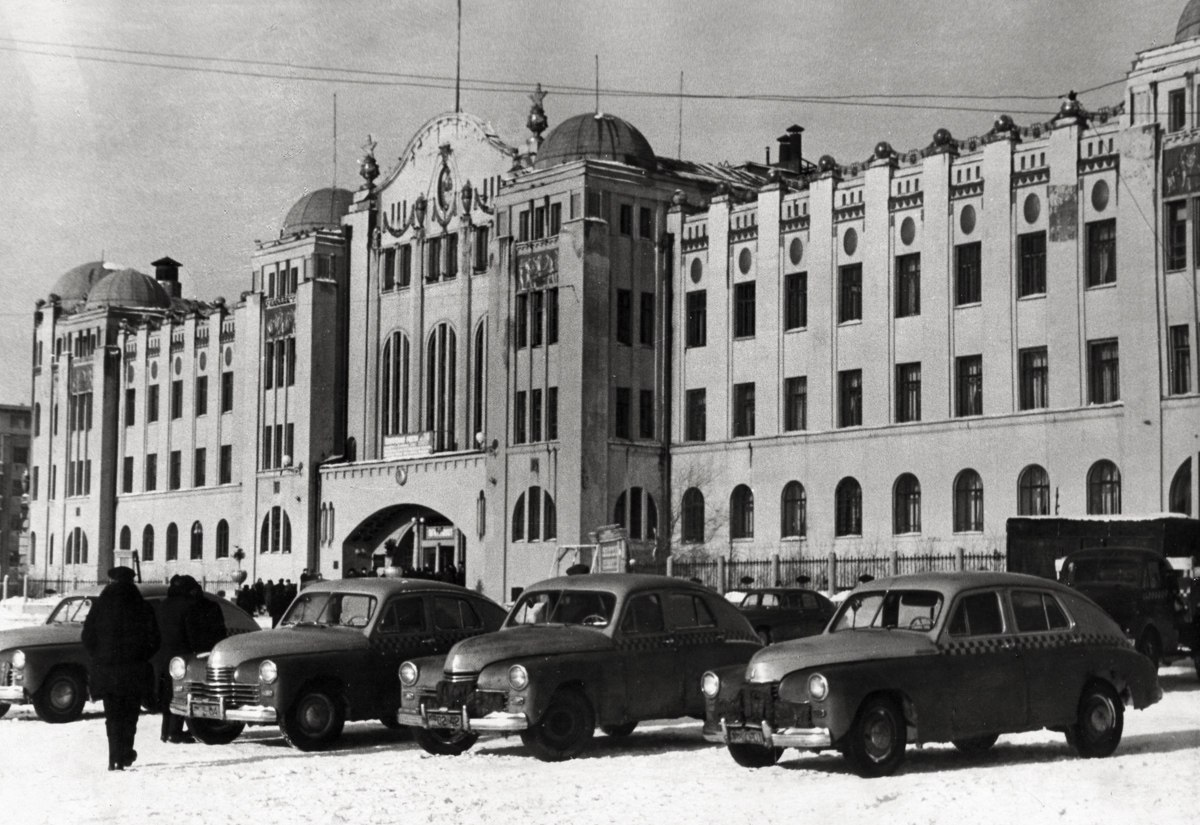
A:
443,741
618,731
1101,719
764,635
61,697
565,728
314,721
212,732
4,706
1150,647
876,741
754,756
975,745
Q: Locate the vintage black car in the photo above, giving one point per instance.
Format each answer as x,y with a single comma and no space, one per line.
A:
333,658
576,652
958,657
781,613
47,666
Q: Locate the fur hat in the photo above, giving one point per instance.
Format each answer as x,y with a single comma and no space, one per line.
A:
123,575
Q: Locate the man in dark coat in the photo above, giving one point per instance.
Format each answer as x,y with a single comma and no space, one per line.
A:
191,624
121,635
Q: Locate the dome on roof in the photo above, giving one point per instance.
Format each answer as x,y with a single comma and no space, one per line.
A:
596,136
128,288
321,209
1189,22
75,284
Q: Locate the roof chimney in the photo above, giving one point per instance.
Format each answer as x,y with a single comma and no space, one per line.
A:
791,149
166,272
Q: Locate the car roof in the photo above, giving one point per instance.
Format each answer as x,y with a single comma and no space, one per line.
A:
383,586
619,584
951,583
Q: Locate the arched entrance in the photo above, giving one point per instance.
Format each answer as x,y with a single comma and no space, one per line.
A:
406,540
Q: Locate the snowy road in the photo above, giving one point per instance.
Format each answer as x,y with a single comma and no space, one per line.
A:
663,774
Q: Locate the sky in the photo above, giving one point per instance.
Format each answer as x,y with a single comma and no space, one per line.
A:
134,129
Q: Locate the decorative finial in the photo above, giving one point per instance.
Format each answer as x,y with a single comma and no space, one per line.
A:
537,115
367,167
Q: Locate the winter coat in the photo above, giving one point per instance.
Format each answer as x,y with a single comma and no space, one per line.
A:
204,624
121,635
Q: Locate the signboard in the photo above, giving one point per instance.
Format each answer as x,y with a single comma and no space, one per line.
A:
1064,212
1181,170
612,550
536,270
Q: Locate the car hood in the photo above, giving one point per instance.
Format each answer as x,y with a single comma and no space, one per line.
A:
283,641
42,634
474,654
776,661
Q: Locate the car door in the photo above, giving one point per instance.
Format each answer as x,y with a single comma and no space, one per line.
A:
402,632
700,642
984,667
454,619
1053,660
650,655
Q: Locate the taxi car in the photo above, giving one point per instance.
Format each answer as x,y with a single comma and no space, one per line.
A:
576,652
332,658
935,657
46,665
781,613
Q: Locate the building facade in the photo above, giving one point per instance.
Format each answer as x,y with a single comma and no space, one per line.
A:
15,424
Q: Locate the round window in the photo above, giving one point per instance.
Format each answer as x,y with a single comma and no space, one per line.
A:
203,361
908,231
744,261
154,369
1033,208
178,365
796,250
850,241
966,219
697,270
1100,195
228,356
129,374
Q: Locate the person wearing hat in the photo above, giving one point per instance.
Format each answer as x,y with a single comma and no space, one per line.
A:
190,624
121,635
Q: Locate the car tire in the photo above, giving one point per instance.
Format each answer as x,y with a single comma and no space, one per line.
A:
975,745
618,731
1150,646
4,706
443,741
1100,721
754,756
876,741
314,721
565,729
60,698
212,732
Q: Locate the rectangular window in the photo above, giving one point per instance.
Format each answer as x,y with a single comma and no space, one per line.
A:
404,273
1035,379
535,415
267,453
202,395
388,265
795,300
743,409
523,226
850,293
269,365
969,398
552,414
480,262
1176,235
743,310
968,287
225,471
646,414
451,270
1176,109
1102,252
33,484
433,267
645,223
175,479
226,392
289,442
624,316
537,305
1180,360
552,316
908,285
130,407
198,467
795,403
176,399
151,472
280,363
127,475
646,320
519,418
539,222
290,350
850,398
1104,372
621,421
1031,249
696,415
595,207
555,218
908,392
54,482
522,320
626,219
697,318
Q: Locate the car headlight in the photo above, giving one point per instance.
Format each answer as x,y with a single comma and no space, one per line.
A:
409,673
267,672
518,677
710,684
177,668
18,659
818,687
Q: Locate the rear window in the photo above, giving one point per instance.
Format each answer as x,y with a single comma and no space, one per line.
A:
1036,611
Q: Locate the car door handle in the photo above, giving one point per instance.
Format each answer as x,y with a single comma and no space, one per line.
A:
429,641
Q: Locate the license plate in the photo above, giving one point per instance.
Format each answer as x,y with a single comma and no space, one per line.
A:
207,710
748,736
452,721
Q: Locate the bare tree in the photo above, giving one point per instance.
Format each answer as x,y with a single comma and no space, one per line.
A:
716,510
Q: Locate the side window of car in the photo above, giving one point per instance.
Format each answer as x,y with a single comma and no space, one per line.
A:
403,615
1029,611
450,613
977,614
643,614
770,600
1056,617
809,602
470,616
685,611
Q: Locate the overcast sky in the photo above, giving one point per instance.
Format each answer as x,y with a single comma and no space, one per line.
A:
139,161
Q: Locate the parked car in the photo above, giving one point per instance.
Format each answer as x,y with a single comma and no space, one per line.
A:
333,658
46,665
781,613
576,652
958,657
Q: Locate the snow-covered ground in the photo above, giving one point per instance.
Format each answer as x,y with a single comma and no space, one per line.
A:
662,774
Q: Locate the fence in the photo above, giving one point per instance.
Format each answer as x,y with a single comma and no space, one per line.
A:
842,571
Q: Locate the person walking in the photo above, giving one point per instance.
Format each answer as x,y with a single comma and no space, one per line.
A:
121,635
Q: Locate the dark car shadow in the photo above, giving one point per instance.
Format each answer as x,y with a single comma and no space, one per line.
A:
1185,682
638,743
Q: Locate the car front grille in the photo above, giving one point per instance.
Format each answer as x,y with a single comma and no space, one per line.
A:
761,702
219,684
453,694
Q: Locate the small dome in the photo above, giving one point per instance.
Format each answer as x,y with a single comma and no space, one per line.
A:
596,136
1189,22
322,209
75,284
128,288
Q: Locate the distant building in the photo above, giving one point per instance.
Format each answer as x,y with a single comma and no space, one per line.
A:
14,502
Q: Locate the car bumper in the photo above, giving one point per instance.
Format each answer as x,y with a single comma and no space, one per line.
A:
763,734
12,694
252,714
494,722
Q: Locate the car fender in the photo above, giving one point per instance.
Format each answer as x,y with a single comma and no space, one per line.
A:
39,662
430,671
851,683
601,682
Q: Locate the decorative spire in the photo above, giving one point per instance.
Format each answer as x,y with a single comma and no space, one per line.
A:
367,167
537,115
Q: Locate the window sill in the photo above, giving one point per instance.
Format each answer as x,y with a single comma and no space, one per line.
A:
848,536
749,337
851,322
795,329
1032,296
969,305
1101,287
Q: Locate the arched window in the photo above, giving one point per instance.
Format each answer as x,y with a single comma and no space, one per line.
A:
1033,492
533,501
651,518
81,546
1180,498
550,516
1104,489
172,542
393,394
479,381
276,532
906,505
222,539
197,552
148,543
32,549
794,511
440,375
126,538
285,538
518,519
620,510
636,511
847,506
741,513
968,502
692,516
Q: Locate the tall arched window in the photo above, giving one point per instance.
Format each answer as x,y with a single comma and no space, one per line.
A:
518,519
81,546
620,511
148,543
906,505
479,381
847,505
636,511
968,502
1033,492
172,542
276,532
222,539
1180,497
550,518
1104,489
197,550
126,538
440,375
69,550
794,511
533,503
692,516
393,393
51,557
741,513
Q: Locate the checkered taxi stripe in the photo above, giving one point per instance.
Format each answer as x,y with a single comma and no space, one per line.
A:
1028,641
409,644
658,641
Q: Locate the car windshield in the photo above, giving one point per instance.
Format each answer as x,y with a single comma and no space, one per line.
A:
890,610
330,610
71,610
1101,571
593,608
